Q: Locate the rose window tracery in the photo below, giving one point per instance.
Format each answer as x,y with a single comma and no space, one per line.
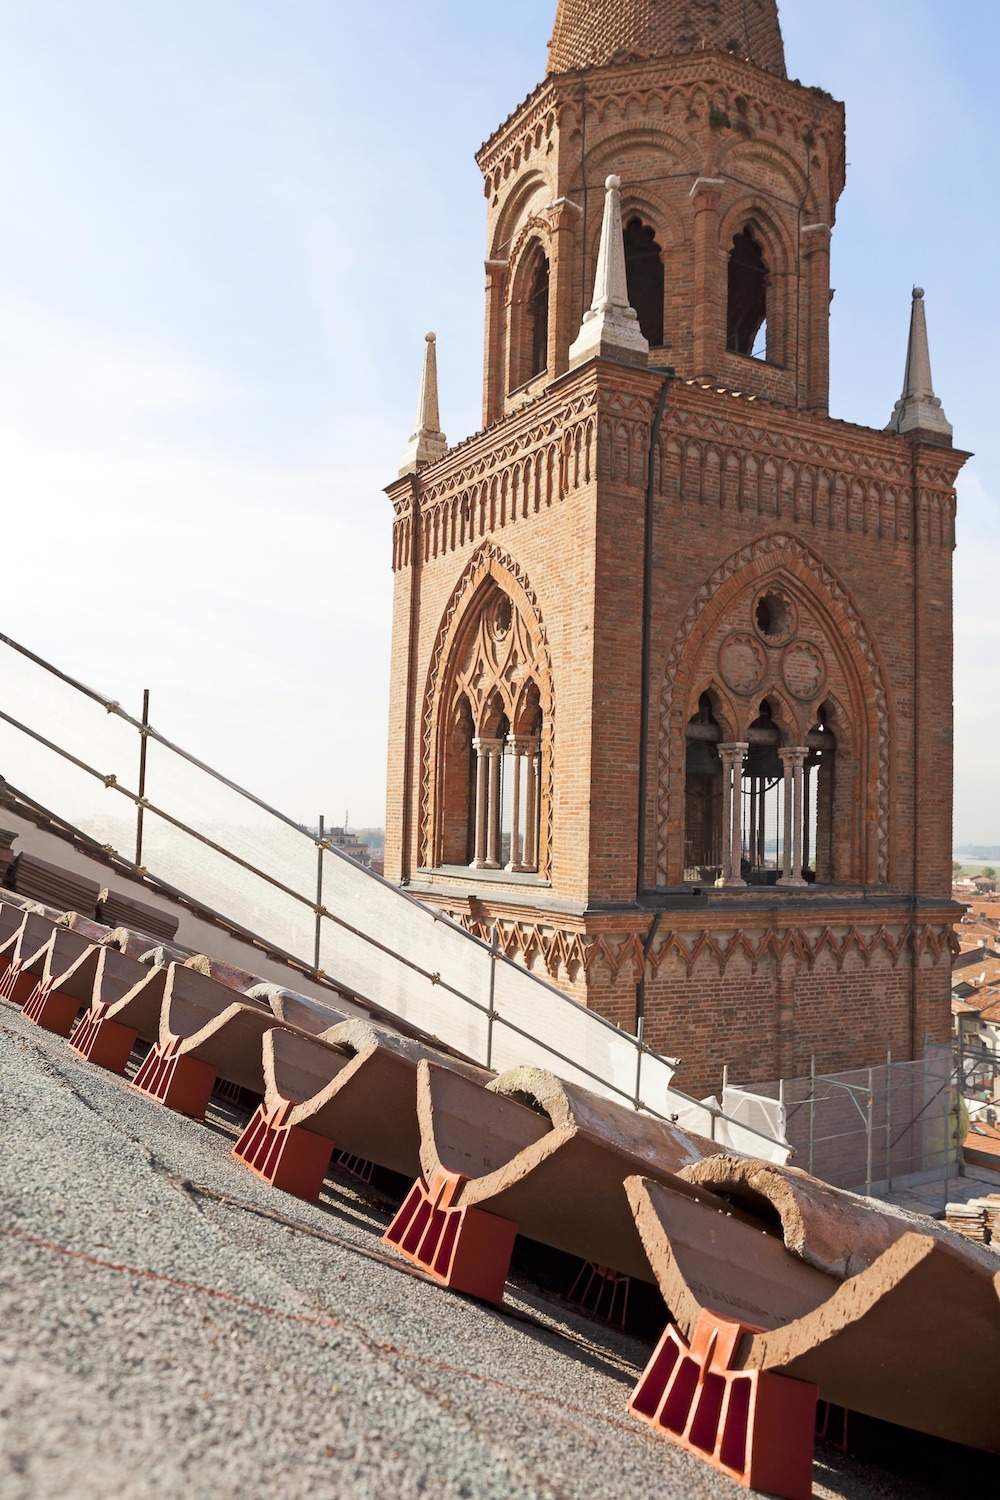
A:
772,786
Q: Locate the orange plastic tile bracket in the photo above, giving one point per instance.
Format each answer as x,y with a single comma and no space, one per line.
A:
47,1008
181,1083
289,1157
106,1043
754,1426
463,1248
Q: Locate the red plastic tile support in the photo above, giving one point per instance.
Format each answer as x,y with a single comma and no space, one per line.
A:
16,986
49,1009
287,1156
107,1044
754,1426
465,1249
181,1083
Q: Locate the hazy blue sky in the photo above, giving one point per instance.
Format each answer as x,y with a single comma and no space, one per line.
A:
227,225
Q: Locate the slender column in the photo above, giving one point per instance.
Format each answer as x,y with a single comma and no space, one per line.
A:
519,748
493,809
793,759
493,381
814,335
564,216
531,811
482,801
726,843
732,814
706,197
806,809
754,850
762,820
488,753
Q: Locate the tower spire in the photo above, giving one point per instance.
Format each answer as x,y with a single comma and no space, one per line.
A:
428,443
611,327
918,410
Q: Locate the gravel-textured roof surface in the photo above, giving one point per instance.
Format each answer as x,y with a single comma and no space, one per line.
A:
170,1326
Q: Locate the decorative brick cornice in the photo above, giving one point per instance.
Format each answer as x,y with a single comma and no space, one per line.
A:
704,86
793,945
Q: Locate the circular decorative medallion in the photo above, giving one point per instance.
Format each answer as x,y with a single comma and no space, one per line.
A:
774,617
741,662
803,670
503,614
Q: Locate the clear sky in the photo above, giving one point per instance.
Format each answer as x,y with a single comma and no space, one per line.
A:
227,225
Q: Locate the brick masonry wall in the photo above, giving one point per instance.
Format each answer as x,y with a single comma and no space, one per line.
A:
589,32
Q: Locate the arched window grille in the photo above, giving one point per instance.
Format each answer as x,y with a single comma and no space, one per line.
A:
538,319
746,314
644,273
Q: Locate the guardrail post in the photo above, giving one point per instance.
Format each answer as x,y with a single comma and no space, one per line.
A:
812,1109
888,1120
321,831
142,775
869,1133
491,1014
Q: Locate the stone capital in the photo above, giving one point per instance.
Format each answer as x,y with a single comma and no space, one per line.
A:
564,213
706,194
483,744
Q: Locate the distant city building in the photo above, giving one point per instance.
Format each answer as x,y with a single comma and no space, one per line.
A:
342,839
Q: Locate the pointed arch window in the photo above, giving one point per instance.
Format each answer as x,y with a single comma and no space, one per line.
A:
644,274
492,746
538,318
703,795
746,313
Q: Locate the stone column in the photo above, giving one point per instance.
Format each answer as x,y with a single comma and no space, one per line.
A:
488,753
706,298
493,361
533,800
793,759
806,806
814,330
482,801
493,806
564,215
754,849
732,814
519,748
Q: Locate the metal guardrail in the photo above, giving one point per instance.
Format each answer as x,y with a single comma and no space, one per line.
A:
508,988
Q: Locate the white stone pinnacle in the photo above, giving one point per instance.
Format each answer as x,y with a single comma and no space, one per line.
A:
918,409
428,443
611,327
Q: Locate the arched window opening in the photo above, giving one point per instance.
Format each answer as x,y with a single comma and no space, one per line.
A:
644,273
746,318
763,793
703,796
492,745
538,320
818,797
458,791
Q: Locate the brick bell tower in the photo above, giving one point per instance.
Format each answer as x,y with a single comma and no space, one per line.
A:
672,651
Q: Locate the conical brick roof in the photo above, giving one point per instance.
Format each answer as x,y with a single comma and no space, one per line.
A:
588,33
